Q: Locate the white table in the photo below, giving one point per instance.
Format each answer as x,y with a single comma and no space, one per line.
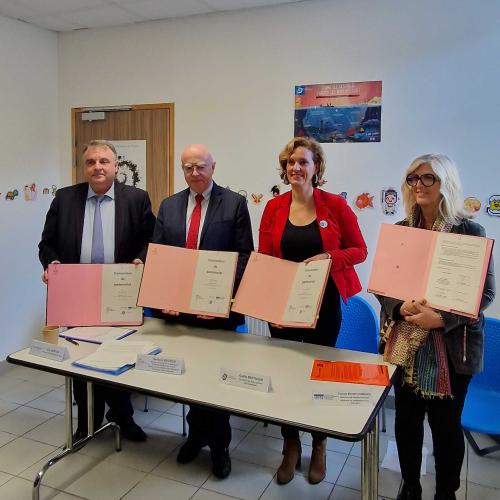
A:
205,352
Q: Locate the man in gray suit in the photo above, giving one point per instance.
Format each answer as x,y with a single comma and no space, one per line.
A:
208,217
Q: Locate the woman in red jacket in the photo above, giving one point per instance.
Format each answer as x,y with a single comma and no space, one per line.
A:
307,224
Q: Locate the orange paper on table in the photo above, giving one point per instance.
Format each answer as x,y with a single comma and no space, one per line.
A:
188,281
282,292
447,269
93,294
349,373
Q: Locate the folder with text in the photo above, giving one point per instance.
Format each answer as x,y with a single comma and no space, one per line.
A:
447,269
282,292
93,294
188,281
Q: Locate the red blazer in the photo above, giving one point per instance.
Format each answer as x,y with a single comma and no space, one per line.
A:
339,230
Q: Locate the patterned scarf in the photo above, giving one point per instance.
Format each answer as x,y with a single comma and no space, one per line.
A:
421,353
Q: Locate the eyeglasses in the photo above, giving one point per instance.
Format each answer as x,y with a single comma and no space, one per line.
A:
189,169
427,180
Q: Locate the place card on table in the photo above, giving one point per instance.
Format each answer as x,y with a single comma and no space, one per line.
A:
160,364
245,380
49,351
344,398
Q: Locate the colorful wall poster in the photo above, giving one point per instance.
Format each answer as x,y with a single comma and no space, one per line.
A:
131,163
339,112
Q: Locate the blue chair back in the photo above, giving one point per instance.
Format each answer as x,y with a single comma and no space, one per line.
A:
359,329
490,376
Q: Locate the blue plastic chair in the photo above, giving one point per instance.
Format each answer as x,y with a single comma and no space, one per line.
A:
482,404
359,330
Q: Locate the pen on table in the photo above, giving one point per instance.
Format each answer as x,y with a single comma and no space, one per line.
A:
71,341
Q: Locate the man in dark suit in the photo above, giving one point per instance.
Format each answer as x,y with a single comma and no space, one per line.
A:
208,217
99,221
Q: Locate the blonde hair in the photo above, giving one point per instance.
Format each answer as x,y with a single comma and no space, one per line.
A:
451,206
311,145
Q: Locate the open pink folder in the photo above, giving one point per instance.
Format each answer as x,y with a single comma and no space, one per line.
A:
447,269
170,273
75,296
265,288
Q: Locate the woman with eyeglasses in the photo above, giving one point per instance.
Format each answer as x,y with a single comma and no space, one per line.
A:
307,224
438,351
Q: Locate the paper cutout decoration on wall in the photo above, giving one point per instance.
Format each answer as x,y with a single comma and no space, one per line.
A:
389,199
244,194
364,200
493,207
30,192
45,191
256,198
472,204
343,194
10,195
54,189
275,190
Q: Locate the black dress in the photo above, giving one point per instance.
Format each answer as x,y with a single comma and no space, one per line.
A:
297,244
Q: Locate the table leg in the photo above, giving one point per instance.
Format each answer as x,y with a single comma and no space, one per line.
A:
369,463
71,447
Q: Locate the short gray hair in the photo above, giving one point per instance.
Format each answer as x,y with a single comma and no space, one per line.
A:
451,206
101,143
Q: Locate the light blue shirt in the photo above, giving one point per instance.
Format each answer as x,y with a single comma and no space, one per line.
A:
108,226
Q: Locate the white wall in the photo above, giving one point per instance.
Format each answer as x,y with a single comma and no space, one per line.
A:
29,145
232,76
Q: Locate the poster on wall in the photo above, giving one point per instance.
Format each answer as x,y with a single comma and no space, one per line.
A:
339,112
131,163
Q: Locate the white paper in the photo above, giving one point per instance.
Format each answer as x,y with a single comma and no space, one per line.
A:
456,272
213,282
49,351
344,398
308,284
246,380
120,289
161,364
96,334
115,354
131,163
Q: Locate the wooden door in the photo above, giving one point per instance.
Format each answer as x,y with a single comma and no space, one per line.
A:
151,122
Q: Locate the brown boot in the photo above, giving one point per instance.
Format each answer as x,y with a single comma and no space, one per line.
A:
291,460
317,467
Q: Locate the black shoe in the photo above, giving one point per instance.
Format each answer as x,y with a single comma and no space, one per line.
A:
445,496
189,450
221,463
132,432
410,493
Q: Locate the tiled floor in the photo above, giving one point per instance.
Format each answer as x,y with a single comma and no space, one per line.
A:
32,430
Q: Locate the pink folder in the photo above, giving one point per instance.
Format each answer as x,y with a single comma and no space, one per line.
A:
403,263
74,295
265,287
168,278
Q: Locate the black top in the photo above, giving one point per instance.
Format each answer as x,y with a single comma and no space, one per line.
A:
297,244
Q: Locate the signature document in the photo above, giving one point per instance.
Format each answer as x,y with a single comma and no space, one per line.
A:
447,269
93,294
188,281
282,292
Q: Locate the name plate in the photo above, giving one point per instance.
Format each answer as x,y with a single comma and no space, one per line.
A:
344,398
49,351
246,380
160,364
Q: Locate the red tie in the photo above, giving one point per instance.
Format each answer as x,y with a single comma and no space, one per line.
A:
194,226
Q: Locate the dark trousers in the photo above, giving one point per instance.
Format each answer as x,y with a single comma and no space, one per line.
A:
444,416
325,333
209,427
120,406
